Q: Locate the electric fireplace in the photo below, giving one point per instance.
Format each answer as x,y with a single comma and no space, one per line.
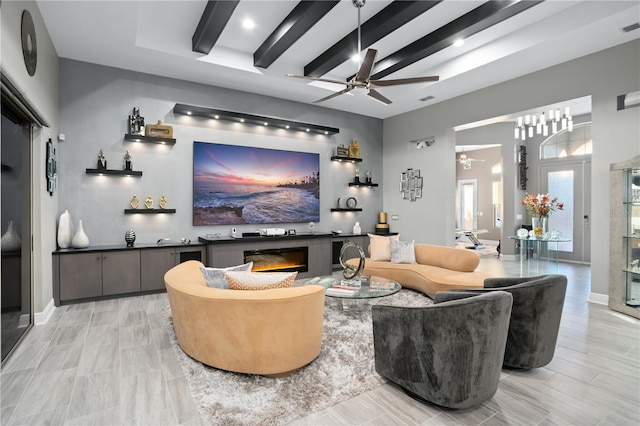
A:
293,259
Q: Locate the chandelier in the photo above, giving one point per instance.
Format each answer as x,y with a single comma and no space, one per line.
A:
533,124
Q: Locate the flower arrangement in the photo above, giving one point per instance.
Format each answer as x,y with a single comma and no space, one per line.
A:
541,205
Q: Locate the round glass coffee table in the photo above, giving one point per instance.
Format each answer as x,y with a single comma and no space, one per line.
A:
370,286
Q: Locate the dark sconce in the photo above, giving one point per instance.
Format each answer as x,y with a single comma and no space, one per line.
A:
258,120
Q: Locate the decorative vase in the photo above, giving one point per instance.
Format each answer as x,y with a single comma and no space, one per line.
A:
539,226
65,232
80,240
11,240
130,237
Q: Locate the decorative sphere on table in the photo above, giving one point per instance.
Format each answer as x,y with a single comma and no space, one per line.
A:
130,237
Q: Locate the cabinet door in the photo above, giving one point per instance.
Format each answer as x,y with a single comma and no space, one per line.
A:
120,272
153,265
80,276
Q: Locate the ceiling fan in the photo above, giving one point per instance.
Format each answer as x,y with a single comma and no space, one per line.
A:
361,82
466,161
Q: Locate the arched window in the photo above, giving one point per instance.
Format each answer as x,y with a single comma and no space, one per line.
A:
568,144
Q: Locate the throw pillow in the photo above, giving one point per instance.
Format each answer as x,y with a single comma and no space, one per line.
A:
402,252
239,280
380,246
215,276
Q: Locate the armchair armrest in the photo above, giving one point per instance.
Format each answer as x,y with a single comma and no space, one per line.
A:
446,296
506,282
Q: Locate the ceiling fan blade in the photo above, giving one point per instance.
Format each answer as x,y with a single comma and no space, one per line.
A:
378,96
367,65
333,95
325,80
382,83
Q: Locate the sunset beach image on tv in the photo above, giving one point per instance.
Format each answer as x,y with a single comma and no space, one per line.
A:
237,184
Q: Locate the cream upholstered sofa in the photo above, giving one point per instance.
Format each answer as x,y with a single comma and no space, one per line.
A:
266,332
437,268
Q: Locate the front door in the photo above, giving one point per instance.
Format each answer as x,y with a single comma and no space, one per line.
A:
571,183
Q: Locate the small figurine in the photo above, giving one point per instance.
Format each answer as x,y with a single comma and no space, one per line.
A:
356,179
127,161
148,203
368,177
102,161
163,202
136,123
354,149
134,203
356,229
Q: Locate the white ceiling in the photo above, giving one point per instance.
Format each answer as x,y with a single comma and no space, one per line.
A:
155,37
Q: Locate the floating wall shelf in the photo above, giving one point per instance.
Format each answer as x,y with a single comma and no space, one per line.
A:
149,139
370,185
346,209
258,120
148,211
348,159
114,172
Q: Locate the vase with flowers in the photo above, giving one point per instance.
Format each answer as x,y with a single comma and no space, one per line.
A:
540,206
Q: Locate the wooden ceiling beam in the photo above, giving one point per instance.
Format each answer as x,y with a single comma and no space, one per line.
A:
379,26
301,19
480,18
214,18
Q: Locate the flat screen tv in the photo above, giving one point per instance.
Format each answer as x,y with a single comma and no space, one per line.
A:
238,184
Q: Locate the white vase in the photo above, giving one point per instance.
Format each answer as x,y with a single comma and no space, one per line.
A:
65,231
11,240
80,240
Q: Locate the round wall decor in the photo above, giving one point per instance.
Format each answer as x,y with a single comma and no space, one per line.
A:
352,203
29,45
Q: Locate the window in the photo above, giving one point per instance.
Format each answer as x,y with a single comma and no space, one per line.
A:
568,144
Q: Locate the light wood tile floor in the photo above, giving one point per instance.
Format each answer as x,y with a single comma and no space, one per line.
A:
111,362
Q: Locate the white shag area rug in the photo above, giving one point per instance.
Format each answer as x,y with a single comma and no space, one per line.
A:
344,369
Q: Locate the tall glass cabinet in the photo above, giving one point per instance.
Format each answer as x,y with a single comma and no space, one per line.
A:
624,261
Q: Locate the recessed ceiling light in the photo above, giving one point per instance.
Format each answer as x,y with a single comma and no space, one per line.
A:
356,58
248,24
459,42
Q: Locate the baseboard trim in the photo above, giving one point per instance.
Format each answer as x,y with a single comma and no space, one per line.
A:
44,316
599,298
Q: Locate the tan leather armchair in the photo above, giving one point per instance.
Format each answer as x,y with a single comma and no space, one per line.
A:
267,332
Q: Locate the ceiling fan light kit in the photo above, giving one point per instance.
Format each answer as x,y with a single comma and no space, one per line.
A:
531,124
466,161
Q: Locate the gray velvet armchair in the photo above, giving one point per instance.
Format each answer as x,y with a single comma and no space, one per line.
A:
449,353
535,317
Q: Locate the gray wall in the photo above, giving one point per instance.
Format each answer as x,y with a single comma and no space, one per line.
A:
41,91
95,102
616,137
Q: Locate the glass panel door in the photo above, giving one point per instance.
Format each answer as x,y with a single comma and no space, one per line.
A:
15,226
571,183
